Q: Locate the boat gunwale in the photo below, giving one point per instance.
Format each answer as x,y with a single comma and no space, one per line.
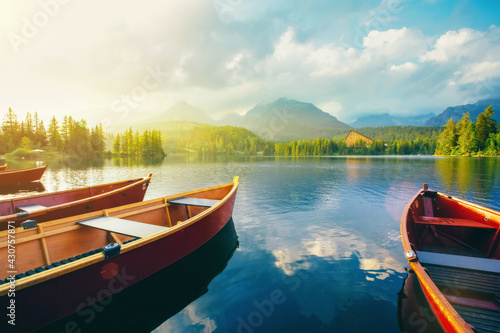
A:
29,281
6,172
447,316
134,182
39,195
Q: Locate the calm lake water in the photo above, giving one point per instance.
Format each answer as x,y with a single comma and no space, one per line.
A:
318,246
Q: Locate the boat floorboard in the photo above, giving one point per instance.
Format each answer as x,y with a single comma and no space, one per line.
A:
473,285
483,282
483,320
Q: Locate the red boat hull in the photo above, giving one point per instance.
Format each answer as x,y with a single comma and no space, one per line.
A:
21,176
75,202
463,236
38,305
3,167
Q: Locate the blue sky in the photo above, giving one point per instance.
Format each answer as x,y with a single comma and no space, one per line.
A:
126,60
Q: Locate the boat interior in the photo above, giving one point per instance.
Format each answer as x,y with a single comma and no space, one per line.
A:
43,200
44,246
458,244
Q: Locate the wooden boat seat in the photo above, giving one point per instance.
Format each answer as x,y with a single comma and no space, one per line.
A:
451,260
30,208
452,222
123,227
193,202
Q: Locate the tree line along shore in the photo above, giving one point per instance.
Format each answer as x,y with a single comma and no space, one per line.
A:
71,136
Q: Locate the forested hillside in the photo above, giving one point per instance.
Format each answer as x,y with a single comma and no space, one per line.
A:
390,133
338,146
180,137
70,136
467,137
186,137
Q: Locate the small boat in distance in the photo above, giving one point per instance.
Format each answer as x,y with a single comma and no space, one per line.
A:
3,167
66,265
21,176
453,247
55,205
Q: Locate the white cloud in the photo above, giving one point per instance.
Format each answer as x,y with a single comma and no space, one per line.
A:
481,71
407,67
399,44
235,62
332,60
453,45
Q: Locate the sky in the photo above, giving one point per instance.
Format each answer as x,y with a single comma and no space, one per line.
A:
125,60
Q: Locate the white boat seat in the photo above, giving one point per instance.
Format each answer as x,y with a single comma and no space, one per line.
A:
193,202
30,208
122,227
452,260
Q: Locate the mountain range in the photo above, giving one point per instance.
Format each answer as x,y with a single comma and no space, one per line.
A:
284,119
457,112
182,111
388,120
287,119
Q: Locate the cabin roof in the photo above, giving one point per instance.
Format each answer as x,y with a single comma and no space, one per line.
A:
353,136
353,132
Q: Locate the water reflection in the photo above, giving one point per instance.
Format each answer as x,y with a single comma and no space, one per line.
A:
469,177
22,189
414,313
132,161
144,306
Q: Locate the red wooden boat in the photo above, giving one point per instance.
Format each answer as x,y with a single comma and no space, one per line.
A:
180,283
69,264
453,247
3,167
55,205
21,176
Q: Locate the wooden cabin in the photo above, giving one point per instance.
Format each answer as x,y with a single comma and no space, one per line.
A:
353,139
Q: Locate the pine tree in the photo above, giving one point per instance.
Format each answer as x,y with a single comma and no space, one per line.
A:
462,124
54,136
97,140
447,140
79,138
26,143
137,146
40,133
65,129
485,125
28,127
494,145
467,140
116,144
125,143
11,131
